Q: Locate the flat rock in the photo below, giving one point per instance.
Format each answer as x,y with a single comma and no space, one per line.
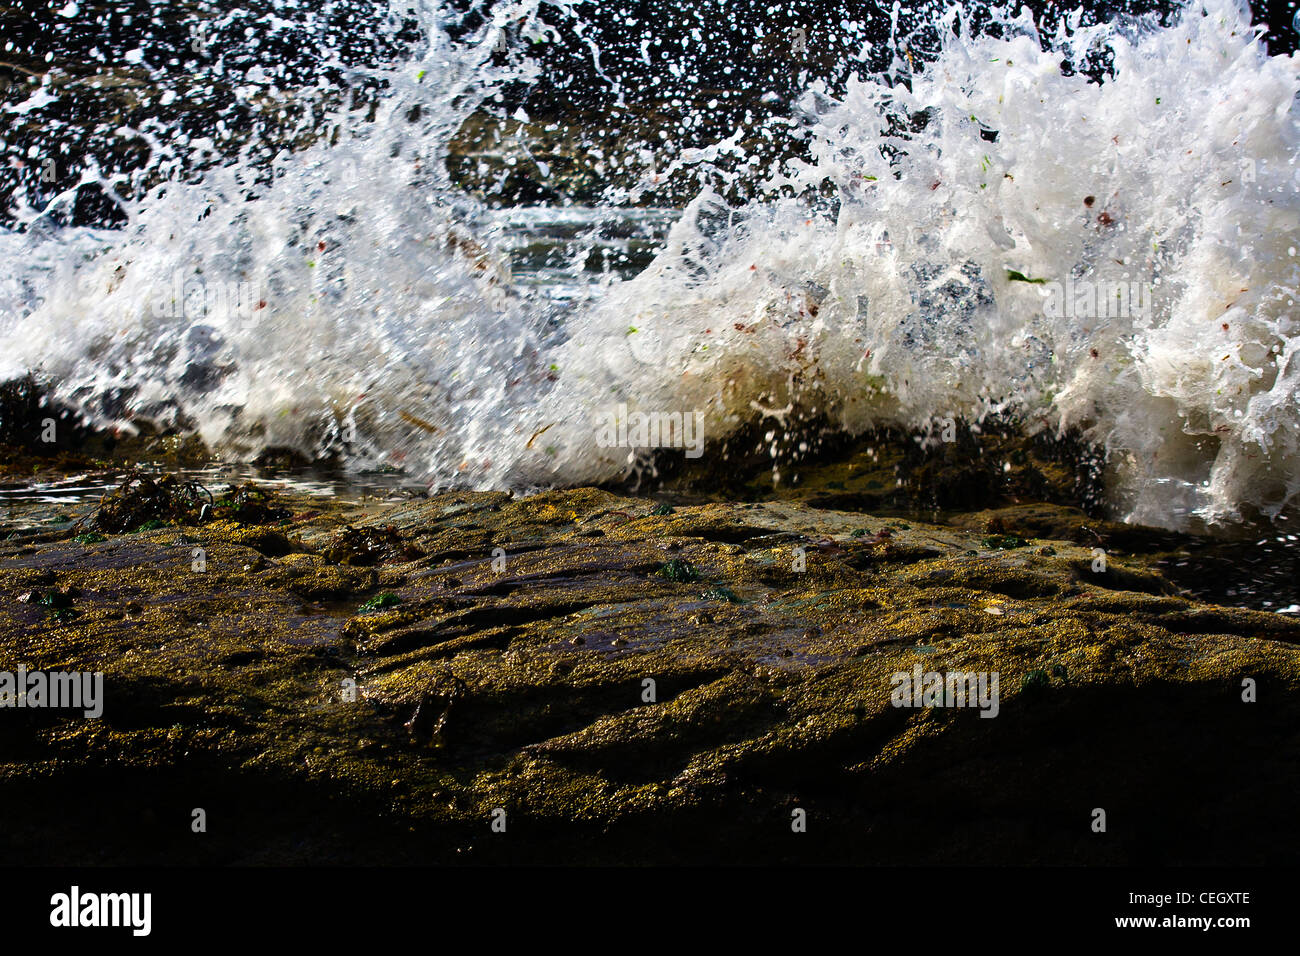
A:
636,683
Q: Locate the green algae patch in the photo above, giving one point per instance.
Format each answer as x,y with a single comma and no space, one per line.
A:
57,604
679,569
380,602
1035,682
1004,542
721,594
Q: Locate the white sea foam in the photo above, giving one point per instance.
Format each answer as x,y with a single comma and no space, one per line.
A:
880,283
1176,173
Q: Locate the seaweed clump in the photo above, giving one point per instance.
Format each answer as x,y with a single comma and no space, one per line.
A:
249,504
143,502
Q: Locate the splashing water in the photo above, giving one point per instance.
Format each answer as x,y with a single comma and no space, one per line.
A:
1005,228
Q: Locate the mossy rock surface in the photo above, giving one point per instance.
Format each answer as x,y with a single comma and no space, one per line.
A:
531,654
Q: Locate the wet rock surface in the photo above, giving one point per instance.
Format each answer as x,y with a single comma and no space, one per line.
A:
632,682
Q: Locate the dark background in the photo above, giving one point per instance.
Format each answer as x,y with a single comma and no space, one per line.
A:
711,64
